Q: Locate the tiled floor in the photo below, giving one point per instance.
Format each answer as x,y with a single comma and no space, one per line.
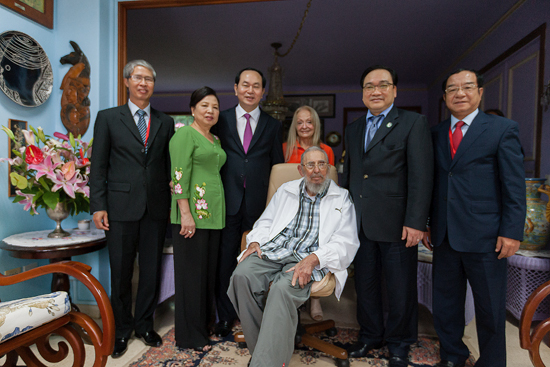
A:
343,312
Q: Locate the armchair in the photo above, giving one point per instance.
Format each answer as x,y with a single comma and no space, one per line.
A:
281,173
18,345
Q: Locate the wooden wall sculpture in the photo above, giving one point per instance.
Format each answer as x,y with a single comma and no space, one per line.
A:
75,104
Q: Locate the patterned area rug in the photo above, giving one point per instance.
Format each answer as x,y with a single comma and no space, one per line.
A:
225,352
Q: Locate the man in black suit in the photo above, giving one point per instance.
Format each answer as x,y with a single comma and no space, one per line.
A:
388,169
130,200
477,219
252,141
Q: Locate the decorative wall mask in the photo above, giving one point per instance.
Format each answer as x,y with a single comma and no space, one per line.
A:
75,104
25,71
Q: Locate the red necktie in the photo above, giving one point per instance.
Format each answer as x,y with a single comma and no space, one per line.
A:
457,137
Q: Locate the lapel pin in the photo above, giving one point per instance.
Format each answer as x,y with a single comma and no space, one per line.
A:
389,124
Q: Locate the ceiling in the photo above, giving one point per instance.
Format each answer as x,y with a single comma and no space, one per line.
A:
193,46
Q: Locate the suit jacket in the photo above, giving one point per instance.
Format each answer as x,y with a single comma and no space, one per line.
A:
124,180
390,183
265,150
480,194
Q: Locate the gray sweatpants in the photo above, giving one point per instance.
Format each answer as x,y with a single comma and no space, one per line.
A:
269,323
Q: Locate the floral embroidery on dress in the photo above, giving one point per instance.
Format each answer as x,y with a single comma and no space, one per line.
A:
201,206
177,176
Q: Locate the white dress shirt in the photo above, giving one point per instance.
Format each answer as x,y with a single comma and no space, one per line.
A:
467,122
134,109
241,120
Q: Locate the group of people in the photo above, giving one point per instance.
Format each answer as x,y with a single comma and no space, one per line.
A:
459,189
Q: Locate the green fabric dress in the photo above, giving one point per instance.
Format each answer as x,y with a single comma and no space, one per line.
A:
196,164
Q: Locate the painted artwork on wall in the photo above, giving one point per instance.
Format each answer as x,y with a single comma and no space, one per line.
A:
26,75
41,11
181,118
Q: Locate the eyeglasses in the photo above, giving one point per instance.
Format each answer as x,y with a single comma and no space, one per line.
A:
140,78
310,166
467,88
369,88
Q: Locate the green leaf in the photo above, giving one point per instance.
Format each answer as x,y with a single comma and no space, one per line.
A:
44,183
18,181
90,143
51,199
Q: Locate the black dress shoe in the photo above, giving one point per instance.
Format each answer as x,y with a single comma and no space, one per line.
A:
360,349
396,361
151,338
444,363
121,346
223,328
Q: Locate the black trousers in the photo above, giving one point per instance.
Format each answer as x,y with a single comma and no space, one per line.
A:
124,241
488,277
397,264
195,262
230,248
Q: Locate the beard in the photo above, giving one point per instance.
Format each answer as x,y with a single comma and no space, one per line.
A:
316,188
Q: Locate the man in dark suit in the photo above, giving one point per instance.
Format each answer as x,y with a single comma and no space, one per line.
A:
477,219
130,200
388,169
252,141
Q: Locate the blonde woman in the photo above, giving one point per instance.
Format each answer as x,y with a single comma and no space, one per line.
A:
304,132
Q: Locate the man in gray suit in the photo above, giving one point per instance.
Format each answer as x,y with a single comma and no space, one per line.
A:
388,169
130,200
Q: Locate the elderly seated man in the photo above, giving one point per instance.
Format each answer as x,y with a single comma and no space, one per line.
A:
307,230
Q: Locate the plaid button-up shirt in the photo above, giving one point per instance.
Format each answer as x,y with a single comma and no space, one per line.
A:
300,238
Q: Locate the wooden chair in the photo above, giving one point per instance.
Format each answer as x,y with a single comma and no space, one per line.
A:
531,340
281,173
103,341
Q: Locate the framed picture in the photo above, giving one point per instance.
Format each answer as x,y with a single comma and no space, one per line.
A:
17,126
181,118
41,11
322,103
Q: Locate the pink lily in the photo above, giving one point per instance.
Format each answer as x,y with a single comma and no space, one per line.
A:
27,201
61,182
45,168
29,137
82,186
12,162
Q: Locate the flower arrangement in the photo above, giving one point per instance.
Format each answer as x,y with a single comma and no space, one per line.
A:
56,172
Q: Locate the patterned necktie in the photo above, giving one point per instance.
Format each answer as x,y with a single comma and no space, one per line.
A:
247,138
142,127
457,137
372,129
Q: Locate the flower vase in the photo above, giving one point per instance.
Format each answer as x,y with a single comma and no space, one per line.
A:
60,212
537,228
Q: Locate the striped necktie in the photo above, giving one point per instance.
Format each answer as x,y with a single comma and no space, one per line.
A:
142,127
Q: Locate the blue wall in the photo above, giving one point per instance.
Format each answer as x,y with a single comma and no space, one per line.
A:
91,24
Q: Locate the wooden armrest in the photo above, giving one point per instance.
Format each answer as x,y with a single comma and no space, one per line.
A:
528,340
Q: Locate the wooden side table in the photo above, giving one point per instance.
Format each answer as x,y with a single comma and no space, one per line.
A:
37,245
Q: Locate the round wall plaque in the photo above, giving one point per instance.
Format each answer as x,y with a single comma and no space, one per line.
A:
25,71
